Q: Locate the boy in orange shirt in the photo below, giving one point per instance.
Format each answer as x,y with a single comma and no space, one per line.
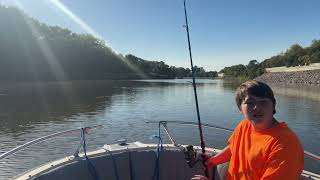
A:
260,147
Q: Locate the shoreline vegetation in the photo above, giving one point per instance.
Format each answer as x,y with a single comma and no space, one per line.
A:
34,51
294,58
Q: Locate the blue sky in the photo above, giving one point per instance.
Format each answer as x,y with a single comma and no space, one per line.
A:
223,32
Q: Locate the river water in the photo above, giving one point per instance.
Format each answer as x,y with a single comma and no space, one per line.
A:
32,110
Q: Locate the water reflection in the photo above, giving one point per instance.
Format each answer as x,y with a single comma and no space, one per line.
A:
230,85
301,92
27,103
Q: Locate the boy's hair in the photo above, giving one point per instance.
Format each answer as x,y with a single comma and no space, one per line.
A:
254,88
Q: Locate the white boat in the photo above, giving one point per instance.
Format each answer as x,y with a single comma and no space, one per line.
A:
129,161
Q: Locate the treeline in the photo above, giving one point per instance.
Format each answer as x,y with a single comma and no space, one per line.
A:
243,72
30,50
294,56
158,69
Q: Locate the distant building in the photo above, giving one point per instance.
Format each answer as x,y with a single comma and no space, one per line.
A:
220,75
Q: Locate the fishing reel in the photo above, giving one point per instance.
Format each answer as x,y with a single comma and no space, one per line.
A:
190,155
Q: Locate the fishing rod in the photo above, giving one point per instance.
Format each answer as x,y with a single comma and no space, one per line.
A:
195,93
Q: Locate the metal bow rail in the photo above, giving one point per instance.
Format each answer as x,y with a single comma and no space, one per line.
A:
44,138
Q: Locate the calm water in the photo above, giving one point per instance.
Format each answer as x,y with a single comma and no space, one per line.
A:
32,110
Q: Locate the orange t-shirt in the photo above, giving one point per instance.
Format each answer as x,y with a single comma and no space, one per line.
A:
275,153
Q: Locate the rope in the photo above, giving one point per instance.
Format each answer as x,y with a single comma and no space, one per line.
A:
115,168
91,168
130,167
156,172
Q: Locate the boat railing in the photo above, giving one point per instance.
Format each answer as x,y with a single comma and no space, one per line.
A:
87,129
174,142
54,135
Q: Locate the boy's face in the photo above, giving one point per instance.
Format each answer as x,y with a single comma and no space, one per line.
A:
258,110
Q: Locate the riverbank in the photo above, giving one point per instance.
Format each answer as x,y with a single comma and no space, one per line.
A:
311,78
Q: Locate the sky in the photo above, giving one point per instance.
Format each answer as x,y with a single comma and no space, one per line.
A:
223,32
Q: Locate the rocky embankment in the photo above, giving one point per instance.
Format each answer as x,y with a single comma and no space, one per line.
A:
294,78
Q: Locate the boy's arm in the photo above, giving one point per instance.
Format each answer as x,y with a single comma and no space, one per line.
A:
221,157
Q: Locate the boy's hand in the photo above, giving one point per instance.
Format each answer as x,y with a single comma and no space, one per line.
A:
205,157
